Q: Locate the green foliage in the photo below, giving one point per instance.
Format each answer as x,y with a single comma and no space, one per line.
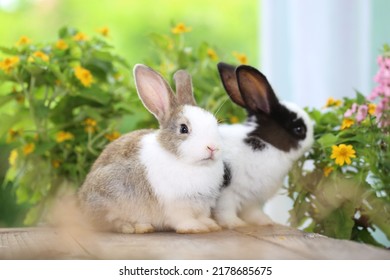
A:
346,201
61,104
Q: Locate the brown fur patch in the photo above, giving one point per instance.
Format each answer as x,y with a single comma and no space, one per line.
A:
117,190
169,136
124,147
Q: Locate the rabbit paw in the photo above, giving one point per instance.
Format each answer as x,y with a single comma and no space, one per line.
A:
210,223
192,226
257,217
144,228
232,222
125,228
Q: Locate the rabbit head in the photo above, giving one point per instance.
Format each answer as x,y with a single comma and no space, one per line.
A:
186,131
283,125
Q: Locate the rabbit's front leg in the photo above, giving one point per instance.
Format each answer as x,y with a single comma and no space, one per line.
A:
252,213
182,218
226,211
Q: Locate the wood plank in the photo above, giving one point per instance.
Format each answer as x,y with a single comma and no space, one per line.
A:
268,242
316,246
38,243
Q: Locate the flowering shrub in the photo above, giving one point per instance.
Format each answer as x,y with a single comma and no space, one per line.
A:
62,102
342,187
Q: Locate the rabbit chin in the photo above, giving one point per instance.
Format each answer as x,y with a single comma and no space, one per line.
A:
199,159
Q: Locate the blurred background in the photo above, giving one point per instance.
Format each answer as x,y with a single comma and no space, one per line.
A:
309,50
230,25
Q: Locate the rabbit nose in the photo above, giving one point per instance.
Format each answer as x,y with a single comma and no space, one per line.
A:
212,148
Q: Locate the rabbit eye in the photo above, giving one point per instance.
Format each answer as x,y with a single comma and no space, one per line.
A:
299,130
183,129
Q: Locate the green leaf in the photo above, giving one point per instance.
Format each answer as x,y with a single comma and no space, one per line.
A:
41,111
9,51
8,121
42,148
360,98
327,140
103,55
35,69
66,31
202,51
96,94
5,99
161,41
339,223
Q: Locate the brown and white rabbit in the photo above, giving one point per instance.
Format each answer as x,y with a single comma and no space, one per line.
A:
164,179
259,153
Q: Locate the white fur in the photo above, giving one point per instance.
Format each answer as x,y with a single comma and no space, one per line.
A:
172,179
203,133
256,175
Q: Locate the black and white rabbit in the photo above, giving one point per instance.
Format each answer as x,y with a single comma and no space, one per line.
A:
259,153
164,179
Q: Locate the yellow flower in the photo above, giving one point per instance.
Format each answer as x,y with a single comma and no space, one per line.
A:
84,76
242,58
212,54
28,148
13,134
56,163
63,136
342,154
234,119
23,40
80,36
13,156
61,45
180,28
371,108
90,125
327,170
41,55
347,123
331,102
8,63
104,31
112,136
118,76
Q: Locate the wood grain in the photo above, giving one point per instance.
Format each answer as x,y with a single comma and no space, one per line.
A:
268,242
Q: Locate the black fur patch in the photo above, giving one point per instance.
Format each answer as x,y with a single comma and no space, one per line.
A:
227,175
256,143
278,129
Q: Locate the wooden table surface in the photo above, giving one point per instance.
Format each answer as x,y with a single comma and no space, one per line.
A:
268,242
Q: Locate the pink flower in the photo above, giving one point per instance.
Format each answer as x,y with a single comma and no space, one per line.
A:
382,92
351,111
386,91
362,113
382,106
380,112
382,76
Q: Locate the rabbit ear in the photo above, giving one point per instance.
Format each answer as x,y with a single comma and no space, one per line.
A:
256,90
229,80
184,91
154,91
